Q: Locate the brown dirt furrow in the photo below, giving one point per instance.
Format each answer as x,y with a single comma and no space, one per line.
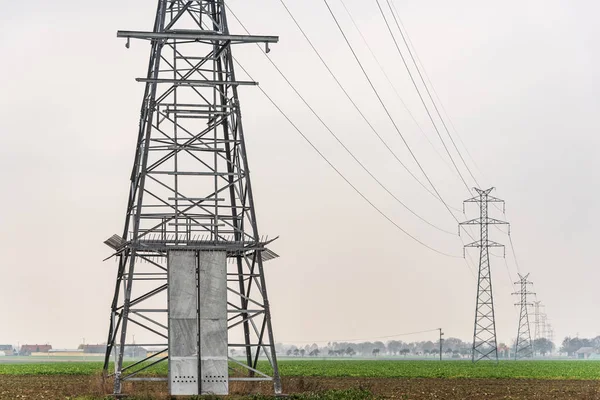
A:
69,387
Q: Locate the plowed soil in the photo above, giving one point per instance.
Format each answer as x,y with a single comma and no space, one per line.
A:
71,387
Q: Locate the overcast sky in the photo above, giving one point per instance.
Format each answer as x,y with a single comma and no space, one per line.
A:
519,81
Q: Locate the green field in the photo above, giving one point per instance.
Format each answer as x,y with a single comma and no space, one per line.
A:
362,368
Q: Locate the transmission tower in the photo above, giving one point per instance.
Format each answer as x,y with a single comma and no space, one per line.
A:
544,320
484,332
190,277
524,346
537,321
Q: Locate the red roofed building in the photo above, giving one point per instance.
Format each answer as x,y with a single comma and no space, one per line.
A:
27,349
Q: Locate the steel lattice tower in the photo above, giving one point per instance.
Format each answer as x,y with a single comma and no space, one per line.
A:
190,260
536,320
484,332
524,346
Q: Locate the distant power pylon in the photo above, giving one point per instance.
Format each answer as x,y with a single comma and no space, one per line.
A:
484,333
550,333
544,320
524,346
537,333
539,320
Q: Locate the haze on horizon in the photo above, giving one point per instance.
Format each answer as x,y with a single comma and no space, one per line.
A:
518,80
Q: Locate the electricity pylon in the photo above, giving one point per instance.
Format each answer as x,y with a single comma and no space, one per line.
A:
537,321
484,333
524,346
190,279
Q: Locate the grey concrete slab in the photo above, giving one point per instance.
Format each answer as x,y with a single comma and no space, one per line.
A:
183,376
183,323
213,323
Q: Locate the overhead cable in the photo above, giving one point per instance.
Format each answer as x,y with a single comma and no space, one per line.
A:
340,142
365,198
337,81
386,109
441,104
420,95
393,86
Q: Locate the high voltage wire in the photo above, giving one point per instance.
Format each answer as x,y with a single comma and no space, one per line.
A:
434,90
386,109
339,172
366,42
363,117
420,95
428,92
320,119
512,248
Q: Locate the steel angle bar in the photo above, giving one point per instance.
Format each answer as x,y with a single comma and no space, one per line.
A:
233,360
250,379
144,360
146,296
195,82
149,319
246,319
145,367
149,379
180,34
245,297
147,327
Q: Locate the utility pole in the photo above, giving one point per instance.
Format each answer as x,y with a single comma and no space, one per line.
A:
524,346
484,333
441,342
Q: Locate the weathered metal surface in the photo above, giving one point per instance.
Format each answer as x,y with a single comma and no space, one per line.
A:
213,322
183,323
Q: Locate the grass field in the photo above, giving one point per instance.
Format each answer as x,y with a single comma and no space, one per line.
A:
585,370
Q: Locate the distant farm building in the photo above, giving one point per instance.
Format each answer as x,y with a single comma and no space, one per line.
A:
29,349
93,348
61,353
6,350
587,352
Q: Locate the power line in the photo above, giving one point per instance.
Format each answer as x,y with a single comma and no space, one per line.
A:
434,90
420,95
363,117
512,248
320,119
429,93
339,172
385,108
366,42
350,98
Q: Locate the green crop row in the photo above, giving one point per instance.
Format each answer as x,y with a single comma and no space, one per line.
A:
361,368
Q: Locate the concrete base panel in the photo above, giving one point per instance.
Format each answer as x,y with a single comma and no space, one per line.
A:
183,376
183,324
215,376
213,323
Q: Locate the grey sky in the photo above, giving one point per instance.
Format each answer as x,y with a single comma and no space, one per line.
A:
519,80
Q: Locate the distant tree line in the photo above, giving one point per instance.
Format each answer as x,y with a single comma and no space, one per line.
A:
570,345
452,348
